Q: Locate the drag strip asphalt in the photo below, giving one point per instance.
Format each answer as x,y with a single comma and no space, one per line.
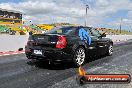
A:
18,72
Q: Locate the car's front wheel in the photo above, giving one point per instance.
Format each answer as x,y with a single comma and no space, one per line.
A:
79,57
110,50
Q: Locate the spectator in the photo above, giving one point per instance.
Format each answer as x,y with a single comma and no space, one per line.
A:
30,33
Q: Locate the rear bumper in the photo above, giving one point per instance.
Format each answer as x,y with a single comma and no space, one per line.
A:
57,55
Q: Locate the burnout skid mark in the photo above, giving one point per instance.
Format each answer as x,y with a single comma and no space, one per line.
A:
83,34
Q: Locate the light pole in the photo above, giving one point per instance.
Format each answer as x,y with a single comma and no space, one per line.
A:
120,25
87,7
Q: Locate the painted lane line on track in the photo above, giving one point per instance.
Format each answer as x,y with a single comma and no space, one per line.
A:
11,53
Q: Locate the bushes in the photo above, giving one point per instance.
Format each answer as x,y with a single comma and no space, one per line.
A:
3,29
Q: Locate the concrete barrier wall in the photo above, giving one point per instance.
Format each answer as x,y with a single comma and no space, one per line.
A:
118,38
14,42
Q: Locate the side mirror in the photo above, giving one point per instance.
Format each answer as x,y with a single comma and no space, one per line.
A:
103,35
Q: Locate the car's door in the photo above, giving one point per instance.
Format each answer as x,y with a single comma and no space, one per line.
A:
101,43
92,46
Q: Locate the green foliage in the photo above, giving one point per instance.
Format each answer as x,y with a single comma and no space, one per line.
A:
3,28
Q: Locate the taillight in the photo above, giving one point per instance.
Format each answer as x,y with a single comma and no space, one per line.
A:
61,43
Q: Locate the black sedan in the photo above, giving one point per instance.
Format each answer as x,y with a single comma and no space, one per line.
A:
71,43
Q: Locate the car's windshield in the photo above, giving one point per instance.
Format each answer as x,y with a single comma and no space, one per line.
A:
95,32
60,30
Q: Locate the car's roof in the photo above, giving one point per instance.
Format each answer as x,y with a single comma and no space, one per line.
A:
72,26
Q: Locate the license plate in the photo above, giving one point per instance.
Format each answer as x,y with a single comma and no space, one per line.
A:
38,52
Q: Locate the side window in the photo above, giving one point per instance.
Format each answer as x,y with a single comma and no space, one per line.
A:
72,31
95,32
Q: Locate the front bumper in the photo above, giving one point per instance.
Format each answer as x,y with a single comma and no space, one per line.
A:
58,55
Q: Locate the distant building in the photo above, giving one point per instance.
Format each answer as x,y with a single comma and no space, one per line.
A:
12,19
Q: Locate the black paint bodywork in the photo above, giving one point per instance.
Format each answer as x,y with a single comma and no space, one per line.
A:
99,46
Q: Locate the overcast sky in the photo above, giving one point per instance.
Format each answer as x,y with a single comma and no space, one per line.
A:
101,13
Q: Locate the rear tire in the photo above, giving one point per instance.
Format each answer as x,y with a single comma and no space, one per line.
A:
79,57
28,56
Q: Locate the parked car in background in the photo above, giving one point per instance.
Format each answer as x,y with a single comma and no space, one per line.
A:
71,43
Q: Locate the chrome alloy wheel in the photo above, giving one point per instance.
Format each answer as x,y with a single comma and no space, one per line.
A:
80,56
110,50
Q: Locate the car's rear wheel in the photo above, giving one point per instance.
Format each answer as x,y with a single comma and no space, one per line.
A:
110,50
79,57
29,56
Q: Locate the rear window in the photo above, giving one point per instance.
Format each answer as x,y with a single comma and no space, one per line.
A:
61,30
